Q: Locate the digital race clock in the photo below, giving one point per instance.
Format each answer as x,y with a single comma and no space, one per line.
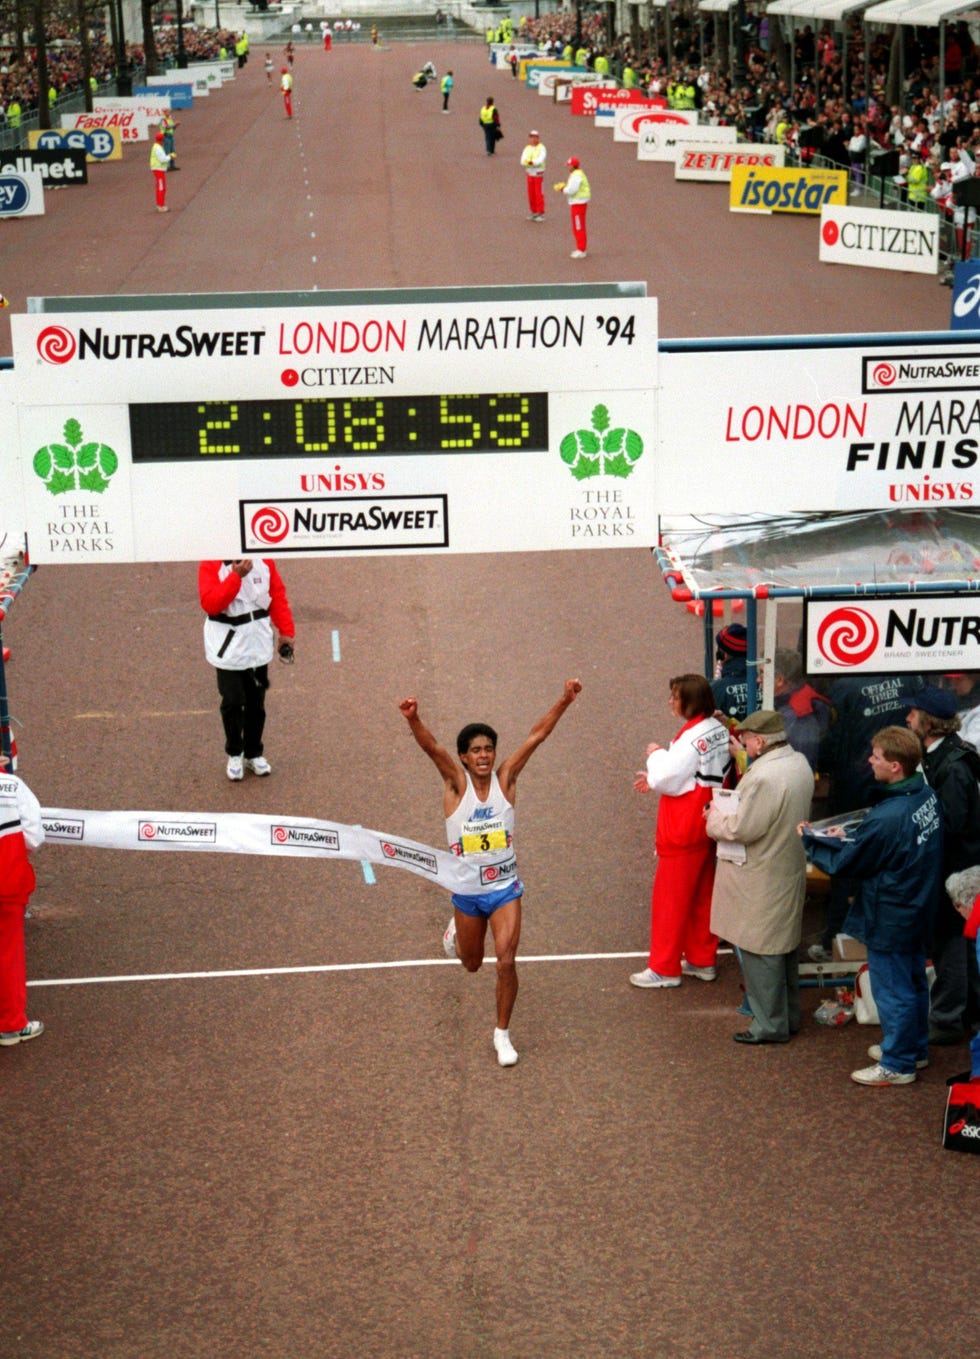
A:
505,422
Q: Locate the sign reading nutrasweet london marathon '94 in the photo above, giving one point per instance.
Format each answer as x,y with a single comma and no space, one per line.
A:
840,423
458,421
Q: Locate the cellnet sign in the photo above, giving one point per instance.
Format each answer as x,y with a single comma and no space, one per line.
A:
878,239
941,632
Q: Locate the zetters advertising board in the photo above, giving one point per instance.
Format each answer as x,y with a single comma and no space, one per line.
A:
786,427
485,420
921,634
706,161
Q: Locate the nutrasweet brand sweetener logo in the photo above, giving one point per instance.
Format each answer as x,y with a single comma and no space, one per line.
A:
601,450
847,636
75,465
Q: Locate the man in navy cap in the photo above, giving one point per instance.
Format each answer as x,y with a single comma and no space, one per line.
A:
952,769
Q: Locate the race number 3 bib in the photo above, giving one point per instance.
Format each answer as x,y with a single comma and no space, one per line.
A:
482,837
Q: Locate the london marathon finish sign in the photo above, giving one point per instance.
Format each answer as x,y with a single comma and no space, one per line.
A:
848,425
442,426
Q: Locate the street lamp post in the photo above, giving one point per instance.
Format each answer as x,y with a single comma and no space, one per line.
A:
181,54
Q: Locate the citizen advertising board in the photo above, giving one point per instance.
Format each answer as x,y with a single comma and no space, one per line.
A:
663,141
795,190
917,633
705,161
966,296
99,143
447,426
876,238
629,122
132,125
21,194
59,168
833,428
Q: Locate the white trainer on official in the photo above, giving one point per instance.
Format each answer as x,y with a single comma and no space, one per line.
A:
32,1029
235,769
874,1052
881,1075
449,940
705,974
649,978
506,1052
260,765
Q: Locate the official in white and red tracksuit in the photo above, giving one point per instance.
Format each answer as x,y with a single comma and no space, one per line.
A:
685,774
244,601
21,833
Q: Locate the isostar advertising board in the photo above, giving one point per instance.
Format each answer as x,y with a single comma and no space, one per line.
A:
663,141
132,125
705,161
352,427
876,238
99,143
848,426
22,194
586,99
795,190
966,296
917,633
58,169
628,122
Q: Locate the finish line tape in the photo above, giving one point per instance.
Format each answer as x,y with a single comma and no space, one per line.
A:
241,833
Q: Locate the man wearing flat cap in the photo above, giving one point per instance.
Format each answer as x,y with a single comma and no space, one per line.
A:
760,878
952,770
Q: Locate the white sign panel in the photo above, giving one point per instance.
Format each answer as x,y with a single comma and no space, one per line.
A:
445,426
919,634
842,427
663,141
879,239
21,193
630,123
152,109
707,161
200,84
564,87
133,125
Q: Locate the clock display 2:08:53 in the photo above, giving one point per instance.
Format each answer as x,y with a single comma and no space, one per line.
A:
504,422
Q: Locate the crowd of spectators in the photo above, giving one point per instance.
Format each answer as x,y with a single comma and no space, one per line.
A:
19,86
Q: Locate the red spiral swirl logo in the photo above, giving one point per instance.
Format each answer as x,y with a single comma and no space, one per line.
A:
847,636
55,344
147,830
884,374
490,874
269,524
280,835
389,850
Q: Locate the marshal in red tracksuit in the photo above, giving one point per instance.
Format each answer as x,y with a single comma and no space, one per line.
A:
20,833
685,774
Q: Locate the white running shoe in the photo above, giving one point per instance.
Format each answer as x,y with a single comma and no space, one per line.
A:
506,1052
705,974
260,765
649,978
235,769
449,940
33,1029
874,1052
578,255
881,1075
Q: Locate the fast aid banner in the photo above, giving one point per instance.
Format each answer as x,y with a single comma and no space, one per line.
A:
849,426
879,239
917,634
661,139
630,123
148,111
345,427
131,126
705,160
283,837
796,190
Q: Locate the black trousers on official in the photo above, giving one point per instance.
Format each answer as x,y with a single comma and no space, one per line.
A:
243,709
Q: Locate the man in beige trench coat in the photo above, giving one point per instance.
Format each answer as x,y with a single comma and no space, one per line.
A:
760,879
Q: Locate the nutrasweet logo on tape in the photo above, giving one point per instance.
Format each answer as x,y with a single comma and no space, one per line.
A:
304,837
177,832
70,829
497,873
407,854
